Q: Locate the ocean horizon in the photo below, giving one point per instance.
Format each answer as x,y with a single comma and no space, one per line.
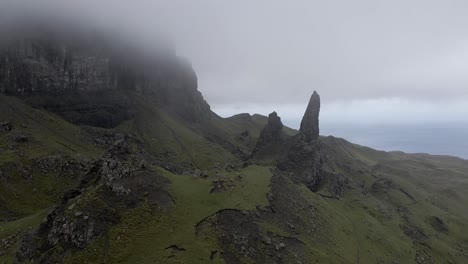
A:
435,139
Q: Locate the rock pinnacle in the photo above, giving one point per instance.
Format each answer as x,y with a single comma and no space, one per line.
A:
310,122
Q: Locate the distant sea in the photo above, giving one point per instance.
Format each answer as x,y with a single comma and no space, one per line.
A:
438,139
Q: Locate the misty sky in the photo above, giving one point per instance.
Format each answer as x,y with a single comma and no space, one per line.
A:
373,62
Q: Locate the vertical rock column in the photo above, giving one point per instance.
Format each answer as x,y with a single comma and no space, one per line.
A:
303,156
310,122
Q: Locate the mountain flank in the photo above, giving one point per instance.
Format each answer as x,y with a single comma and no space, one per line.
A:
111,155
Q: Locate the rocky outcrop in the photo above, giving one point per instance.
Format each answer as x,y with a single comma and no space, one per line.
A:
303,155
6,126
247,236
310,122
93,82
304,160
118,181
271,133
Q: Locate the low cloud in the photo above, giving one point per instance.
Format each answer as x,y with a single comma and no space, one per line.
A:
271,55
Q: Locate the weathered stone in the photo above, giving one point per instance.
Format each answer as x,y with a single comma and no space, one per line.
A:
21,138
280,246
115,180
271,133
310,122
78,213
266,240
6,126
303,156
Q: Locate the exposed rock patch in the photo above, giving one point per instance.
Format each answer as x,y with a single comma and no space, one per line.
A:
243,239
438,224
115,183
6,126
242,234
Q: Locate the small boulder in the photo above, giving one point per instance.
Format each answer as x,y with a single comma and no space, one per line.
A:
21,138
6,126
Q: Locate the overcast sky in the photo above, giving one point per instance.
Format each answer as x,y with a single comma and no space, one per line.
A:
395,61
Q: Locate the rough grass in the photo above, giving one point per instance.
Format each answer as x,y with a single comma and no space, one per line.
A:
144,236
362,227
376,217
166,136
47,135
16,228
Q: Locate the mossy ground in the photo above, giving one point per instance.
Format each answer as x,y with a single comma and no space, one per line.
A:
24,191
16,228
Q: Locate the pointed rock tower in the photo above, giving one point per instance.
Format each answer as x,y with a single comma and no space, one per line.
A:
303,156
310,122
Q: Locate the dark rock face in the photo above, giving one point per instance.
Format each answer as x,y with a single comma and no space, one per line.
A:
271,133
91,83
310,122
274,122
304,161
303,155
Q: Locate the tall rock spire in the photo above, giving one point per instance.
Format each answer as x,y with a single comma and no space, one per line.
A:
310,122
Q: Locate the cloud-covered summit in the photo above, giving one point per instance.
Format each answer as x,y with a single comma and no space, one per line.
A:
275,52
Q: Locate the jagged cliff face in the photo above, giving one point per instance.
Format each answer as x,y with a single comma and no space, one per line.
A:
92,82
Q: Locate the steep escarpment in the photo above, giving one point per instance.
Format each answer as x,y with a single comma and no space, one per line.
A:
91,81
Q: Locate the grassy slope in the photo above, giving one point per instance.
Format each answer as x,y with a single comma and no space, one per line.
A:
143,237
23,190
47,135
432,181
167,136
362,227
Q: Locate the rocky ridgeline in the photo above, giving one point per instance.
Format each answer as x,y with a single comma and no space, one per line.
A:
91,82
118,181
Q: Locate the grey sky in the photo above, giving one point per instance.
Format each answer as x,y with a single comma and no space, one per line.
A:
372,61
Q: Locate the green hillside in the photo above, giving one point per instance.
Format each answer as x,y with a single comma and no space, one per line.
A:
372,207
111,155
